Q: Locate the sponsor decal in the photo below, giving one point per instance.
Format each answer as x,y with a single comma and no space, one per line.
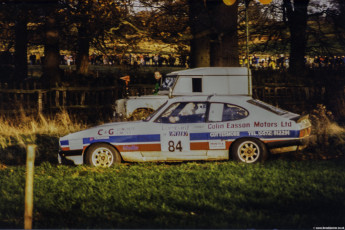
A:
178,133
272,133
229,126
130,147
175,127
113,131
266,124
225,134
255,124
217,144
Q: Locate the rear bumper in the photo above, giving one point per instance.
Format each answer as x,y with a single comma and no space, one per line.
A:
290,145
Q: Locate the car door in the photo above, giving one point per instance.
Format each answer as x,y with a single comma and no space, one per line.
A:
224,126
183,131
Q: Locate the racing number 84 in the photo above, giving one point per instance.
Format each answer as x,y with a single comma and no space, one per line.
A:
173,147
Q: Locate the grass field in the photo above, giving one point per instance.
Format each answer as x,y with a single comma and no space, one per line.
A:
277,194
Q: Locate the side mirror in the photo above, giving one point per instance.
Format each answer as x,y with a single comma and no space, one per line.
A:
170,92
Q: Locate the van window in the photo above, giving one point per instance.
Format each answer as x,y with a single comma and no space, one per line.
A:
197,85
168,82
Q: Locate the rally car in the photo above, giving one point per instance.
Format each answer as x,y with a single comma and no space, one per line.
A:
192,128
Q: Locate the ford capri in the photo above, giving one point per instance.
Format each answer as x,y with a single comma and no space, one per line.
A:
192,128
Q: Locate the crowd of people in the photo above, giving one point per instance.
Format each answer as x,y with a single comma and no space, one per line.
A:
139,59
283,62
133,59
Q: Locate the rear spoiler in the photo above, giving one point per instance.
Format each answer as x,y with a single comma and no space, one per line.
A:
300,118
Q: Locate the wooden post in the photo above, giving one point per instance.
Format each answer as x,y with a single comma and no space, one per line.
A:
64,98
40,104
29,195
57,98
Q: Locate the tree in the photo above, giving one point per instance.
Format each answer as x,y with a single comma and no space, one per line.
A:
214,33
95,22
209,26
297,15
51,68
165,21
16,13
21,43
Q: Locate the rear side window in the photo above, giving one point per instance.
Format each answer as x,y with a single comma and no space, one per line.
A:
234,112
268,107
226,112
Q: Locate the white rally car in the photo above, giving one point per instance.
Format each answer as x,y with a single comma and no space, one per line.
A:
192,128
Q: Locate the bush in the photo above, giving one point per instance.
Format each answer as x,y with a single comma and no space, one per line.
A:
16,134
330,137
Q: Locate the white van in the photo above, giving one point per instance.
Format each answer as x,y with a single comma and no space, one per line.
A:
190,82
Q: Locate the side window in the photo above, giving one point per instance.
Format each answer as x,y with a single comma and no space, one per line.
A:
233,112
197,85
216,112
184,112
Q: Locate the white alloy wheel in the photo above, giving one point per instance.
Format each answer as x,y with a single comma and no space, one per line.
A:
249,151
102,155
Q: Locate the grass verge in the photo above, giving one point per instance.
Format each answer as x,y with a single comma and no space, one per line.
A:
16,133
277,194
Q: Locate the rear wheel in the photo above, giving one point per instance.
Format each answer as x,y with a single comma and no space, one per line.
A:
102,155
249,151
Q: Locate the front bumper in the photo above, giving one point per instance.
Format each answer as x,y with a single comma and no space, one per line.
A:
73,157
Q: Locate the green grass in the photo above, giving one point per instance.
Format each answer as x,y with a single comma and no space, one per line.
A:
277,194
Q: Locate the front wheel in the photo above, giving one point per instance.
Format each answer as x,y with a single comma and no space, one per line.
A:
102,155
249,151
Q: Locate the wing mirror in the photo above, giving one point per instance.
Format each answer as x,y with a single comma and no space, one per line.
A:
170,92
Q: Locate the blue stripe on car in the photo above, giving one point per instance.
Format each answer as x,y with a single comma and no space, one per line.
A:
124,139
193,137
65,142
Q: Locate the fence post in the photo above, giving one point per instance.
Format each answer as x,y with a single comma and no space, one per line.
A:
40,104
29,195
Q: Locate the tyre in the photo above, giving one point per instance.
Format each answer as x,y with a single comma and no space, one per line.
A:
102,155
249,151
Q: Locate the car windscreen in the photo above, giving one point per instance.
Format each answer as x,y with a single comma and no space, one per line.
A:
155,112
168,82
268,107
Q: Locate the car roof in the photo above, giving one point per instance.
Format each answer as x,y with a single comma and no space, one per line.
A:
212,71
212,98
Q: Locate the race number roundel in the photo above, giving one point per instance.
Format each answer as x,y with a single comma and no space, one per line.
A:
229,2
265,1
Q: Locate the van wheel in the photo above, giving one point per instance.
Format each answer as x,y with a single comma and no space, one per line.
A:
141,113
249,151
102,155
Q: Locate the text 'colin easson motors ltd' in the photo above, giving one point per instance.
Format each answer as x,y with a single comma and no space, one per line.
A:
256,124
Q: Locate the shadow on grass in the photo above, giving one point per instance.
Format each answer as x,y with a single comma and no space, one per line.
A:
15,153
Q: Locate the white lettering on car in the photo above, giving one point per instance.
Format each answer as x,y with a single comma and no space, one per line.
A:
225,134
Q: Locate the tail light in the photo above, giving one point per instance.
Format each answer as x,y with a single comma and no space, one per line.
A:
305,132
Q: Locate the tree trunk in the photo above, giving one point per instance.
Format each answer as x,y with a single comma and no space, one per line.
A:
21,40
200,28
297,15
51,68
214,31
224,38
82,59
